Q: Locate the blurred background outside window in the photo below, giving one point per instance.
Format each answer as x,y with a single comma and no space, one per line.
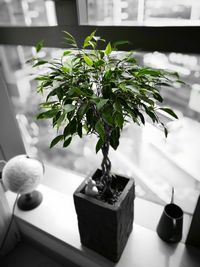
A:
143,12
27,13
157,164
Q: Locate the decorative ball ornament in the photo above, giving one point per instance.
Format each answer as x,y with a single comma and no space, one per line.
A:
91,189
22,175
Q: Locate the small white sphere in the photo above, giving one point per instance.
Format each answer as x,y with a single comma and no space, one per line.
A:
22,174
91,189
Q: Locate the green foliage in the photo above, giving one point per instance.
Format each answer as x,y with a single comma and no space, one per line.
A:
39,46
56,140
98,91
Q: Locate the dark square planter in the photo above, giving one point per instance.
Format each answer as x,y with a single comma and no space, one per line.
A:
103,227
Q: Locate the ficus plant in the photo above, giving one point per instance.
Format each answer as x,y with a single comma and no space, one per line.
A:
93,91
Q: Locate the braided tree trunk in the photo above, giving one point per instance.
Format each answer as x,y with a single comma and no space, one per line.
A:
106,178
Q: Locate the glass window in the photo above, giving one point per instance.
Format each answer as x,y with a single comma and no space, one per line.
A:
156,164
171,11
143,12
111,12
27,13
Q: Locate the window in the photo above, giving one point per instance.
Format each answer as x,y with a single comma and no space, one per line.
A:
155,163
27,13
140,150
143,12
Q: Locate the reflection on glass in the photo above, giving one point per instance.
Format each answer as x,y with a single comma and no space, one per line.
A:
144,153
143,12
171,11
112,12
27,13
104,12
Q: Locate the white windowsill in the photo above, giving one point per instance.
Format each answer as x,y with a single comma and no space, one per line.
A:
54,225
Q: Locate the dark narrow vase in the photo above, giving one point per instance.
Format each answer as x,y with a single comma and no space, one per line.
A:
104,227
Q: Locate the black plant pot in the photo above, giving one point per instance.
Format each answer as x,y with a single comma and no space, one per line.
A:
104,227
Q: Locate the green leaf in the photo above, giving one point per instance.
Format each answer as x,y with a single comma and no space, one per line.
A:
141,117
69,107
99,145
114,141
88,60
107,116
119,119
100,129
79,130
173,73
170,112
67,131
67,142
42,78
60,93
86,128
70,39
132,60
56,117
108,49
118,43
56,140
151,114
117,106
66,52
52,93
146,99
88,39
74,91
70,114
40,62
82,110
60,120
69,35
148,71
163,84
165,129
70,129
65,69
47,83
90,117
108,74
181,82
101,103
39,45
99,63
158,97
166,132
47,114
48,104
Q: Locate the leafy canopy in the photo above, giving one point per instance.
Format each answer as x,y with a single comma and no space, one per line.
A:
92,91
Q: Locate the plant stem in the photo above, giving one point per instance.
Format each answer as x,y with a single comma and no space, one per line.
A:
106,164
106,178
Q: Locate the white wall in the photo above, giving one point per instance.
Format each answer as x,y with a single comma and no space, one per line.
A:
10,139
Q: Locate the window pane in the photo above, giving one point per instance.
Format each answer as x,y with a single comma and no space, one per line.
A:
27,13
171,12
109,12
143,12
156,164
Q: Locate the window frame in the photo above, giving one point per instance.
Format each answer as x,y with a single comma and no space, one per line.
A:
164,39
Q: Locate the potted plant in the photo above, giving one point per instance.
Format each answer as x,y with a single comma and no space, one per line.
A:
93,91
